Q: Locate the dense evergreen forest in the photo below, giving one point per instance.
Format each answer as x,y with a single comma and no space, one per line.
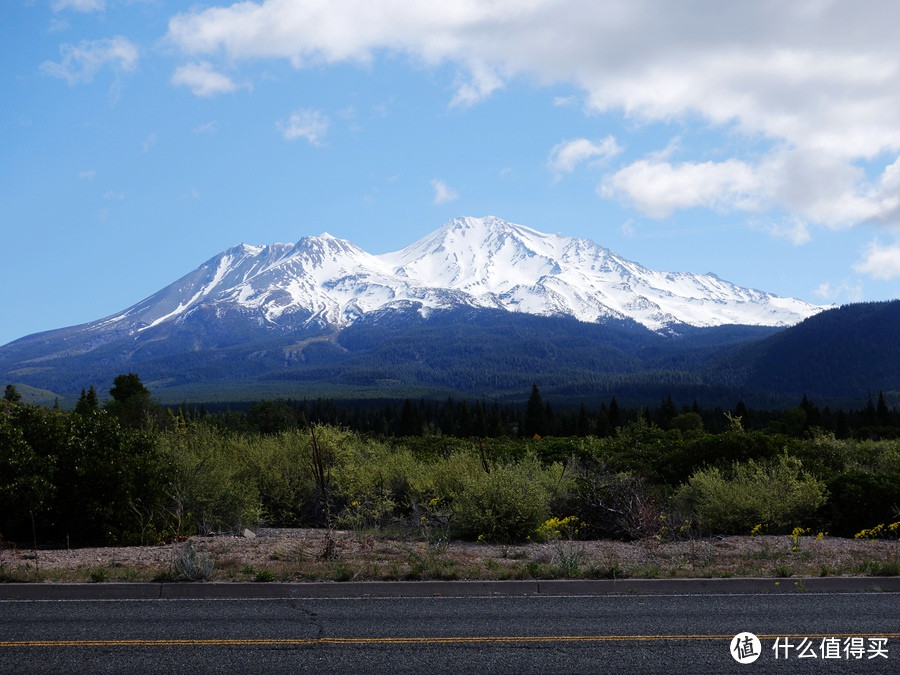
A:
837,357
464,418
127,470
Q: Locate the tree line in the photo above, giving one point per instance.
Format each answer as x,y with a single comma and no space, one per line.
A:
127,470
493,419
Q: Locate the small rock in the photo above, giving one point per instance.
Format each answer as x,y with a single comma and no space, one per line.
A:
248,534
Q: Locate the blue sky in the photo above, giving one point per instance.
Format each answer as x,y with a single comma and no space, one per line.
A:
138,138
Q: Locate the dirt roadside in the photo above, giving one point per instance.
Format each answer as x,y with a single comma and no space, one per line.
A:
338,555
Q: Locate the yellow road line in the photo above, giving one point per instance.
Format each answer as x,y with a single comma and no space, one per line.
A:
485,639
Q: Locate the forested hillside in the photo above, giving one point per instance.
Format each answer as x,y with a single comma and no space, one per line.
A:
839,358
847,350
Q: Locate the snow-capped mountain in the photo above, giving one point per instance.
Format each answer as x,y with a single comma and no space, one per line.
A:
469,262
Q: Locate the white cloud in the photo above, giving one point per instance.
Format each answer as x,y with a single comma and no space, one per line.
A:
87,174
659,188
565,156
81,62
203,80
813,187
627,229
482,83
149,142
842,292
816,81
305,123
210,127
880,261
794,230
808,72
79,5
564,100
57,25
443,193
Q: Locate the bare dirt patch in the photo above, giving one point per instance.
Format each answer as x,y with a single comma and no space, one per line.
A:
338,555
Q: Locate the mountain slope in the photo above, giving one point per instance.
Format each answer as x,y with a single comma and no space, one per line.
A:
849,351
470,262
512,267
309,312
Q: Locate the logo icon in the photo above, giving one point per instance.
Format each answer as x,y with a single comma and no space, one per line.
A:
745,647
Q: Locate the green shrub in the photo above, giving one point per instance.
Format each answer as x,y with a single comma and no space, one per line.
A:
109,479
508,503
281,469
210,487
778,494
372,483
858,499
446,478
25,485
191,565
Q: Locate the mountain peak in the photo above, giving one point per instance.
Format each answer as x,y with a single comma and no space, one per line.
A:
486,229
468,262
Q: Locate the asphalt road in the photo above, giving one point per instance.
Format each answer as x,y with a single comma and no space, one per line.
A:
631,632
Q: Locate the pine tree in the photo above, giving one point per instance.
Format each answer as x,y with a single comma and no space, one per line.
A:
480,426
131,403
615,415
667,412
882,414
88,402
813,416
534,414
741,412
409,420
463,420
869,415
603,428
584,425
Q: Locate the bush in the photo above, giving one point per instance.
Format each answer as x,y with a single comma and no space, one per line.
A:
508,503
110,481
372,483
25,486
777,494
190,565
859,499
280,467
612,505
210,487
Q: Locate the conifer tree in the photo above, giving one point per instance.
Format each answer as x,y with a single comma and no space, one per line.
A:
614,414
410,425
534,414
131,403
869,415
882,414
667,412
88,402
584,425
603,428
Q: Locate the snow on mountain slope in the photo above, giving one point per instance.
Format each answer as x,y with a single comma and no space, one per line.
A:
476,262
520,269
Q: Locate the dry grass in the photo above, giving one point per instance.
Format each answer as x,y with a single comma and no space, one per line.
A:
322,555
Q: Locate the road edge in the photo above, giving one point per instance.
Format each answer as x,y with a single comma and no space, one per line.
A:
391,589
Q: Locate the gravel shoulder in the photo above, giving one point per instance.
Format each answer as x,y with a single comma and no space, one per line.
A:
292,555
